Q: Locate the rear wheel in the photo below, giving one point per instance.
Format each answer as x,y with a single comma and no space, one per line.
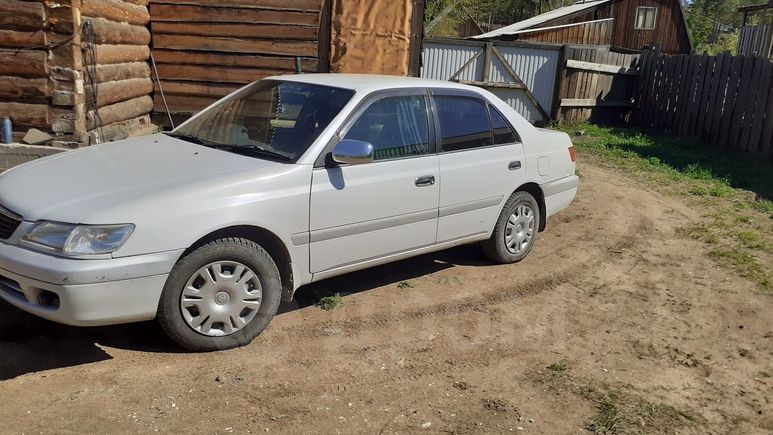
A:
516,230
220,296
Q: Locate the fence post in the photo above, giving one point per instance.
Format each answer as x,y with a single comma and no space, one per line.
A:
555,113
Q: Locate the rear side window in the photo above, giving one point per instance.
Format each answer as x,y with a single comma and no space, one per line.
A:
503,131
464,122
397,127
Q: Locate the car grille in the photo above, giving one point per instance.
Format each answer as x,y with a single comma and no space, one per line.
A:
9,222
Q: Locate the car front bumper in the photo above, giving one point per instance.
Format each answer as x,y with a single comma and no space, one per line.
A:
84,292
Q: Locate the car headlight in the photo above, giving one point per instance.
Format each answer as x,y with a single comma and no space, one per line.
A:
72,239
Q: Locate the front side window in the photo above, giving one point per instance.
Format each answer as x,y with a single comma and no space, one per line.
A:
645,17
269,119
464,122
397,127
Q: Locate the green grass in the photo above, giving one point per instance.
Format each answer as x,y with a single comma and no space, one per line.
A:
734,190
404,284
328,300
560,366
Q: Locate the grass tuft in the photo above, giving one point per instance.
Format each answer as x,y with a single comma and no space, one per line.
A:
328,300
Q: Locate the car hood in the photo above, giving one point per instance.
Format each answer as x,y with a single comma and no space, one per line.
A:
76,186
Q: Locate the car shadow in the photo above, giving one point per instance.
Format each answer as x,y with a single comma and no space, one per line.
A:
29,344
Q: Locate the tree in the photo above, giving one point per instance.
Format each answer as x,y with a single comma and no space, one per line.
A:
713,24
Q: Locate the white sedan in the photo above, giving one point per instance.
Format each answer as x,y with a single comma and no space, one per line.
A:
288,181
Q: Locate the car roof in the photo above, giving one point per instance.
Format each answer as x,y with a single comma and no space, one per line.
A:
368,82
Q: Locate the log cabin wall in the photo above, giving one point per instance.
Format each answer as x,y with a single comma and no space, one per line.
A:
47,83
120,71
41,85
206,49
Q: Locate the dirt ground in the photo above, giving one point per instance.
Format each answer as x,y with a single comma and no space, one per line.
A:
613,324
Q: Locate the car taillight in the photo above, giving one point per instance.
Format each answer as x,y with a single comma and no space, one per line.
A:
572,155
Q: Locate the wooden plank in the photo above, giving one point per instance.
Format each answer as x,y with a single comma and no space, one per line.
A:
189,13
603,68
753,90
207,73
592,102
22,39
730,98
15,14
25,63
231,59
182,104
500,85
763,90
26,115
27,89
116,10
714,112
235,45
203,89
766,139
740,102
263,31
705,92
297,5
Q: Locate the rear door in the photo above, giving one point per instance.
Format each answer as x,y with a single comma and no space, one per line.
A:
364,212
481,164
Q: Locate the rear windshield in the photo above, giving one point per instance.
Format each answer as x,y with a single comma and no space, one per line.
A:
271,116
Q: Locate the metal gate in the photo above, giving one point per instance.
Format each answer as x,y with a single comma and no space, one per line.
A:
522,74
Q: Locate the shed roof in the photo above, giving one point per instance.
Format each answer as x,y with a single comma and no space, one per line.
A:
542,18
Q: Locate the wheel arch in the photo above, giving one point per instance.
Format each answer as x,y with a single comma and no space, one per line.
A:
269,241
536,191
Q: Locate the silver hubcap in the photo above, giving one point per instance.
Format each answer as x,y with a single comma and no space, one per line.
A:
520,229
221,298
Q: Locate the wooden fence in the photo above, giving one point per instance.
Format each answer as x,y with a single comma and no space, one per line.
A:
596,84
723,100
756,40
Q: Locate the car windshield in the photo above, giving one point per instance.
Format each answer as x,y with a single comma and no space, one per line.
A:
270,119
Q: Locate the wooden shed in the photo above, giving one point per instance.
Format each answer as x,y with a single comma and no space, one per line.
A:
622,24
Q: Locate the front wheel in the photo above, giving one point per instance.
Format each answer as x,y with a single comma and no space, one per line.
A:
515,231
220,296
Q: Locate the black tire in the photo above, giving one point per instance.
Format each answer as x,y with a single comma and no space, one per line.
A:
244,251
496,247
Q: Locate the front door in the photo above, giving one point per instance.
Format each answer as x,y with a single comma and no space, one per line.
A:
365,212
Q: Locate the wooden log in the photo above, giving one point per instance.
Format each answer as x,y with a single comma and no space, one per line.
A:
122,90
121,71
22,39
188,13
298,5
111,54
120,130
138,2
236,45
66,92
110,32
207,73
62,18
116,10
66,120
263,31
16,14
25,63
231,59
26,115
204,89
598,67
120,111
18,88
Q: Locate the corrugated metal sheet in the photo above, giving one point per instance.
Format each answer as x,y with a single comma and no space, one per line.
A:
536,66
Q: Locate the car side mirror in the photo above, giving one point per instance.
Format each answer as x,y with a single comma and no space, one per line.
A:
353,152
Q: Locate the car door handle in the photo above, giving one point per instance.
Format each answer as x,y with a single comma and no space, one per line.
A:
514,165
425,181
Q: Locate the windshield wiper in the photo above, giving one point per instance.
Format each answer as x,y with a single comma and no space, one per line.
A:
192,138
251,149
